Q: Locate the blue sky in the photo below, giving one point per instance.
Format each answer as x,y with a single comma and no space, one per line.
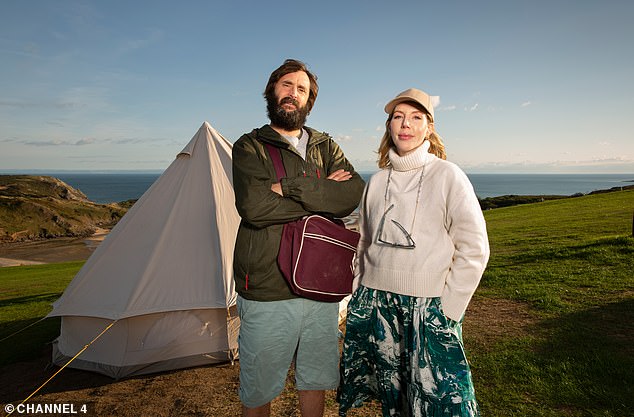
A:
539,86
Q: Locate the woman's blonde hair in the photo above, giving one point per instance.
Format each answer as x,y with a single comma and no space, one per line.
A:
437,147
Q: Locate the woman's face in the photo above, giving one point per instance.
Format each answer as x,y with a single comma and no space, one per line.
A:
408,128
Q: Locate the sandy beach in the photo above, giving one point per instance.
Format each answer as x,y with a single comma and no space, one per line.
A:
61,249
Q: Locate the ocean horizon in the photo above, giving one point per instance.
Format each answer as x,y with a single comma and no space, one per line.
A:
115,186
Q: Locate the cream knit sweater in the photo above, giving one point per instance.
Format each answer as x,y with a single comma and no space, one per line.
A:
449,231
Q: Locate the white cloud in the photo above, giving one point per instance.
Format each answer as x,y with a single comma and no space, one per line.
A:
472,108
526,103
51,142
128,141
85,141
343,138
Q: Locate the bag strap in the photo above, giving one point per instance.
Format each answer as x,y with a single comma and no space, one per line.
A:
276,158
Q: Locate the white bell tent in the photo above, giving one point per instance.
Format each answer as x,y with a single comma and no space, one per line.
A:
163,275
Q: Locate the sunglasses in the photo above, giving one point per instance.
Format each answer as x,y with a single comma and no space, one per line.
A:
410,244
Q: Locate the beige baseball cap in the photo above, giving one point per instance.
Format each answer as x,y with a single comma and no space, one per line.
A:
412,94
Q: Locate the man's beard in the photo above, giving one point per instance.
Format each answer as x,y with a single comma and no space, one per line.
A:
287,120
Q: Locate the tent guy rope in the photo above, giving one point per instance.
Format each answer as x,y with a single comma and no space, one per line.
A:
67,363
23,329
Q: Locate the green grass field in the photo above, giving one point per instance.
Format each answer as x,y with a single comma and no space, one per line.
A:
572,262
26,294
568,263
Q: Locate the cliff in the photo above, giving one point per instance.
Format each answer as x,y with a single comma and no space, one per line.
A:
40,207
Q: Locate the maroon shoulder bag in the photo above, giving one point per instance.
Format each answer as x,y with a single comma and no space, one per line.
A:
316,253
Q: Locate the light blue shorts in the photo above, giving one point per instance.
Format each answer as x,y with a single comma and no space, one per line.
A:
273,333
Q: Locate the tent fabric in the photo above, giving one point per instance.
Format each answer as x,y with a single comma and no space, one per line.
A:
150,343
164,273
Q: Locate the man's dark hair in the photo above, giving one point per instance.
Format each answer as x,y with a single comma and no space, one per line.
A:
289,66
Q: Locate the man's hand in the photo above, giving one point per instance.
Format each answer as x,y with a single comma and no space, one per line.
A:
340,175
277,188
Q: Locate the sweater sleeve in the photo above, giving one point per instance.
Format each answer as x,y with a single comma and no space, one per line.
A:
364,241
467,228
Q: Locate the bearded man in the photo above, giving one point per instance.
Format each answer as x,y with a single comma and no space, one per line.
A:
277,327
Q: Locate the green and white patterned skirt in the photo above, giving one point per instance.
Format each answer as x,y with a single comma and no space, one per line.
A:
404,352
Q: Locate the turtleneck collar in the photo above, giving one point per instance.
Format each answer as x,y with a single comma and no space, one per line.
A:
414,160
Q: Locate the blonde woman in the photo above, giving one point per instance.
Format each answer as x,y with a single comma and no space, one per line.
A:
422,252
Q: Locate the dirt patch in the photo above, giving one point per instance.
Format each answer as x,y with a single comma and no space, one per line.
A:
202,391
491,319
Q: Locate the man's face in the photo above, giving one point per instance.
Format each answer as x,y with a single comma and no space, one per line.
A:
292,91
287,109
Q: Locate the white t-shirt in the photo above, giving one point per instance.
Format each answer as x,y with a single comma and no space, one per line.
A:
299,143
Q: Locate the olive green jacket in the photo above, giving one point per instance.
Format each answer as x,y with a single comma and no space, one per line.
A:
306,191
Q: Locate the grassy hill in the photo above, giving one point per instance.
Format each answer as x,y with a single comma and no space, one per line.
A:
39,207
550,331
571,263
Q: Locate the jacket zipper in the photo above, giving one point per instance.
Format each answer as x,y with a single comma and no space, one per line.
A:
246,276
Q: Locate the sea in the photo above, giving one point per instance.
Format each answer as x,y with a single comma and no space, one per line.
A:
109,187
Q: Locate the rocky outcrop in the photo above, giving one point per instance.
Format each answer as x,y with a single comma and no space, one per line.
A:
41,207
